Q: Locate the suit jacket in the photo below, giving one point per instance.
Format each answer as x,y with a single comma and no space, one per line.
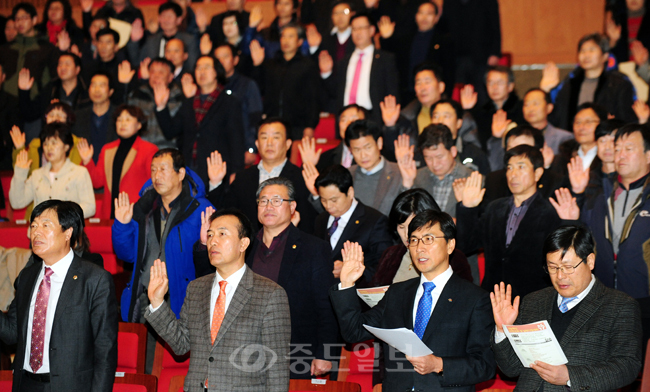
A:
83,341
331,157
496,185
602,342
425,180
458,332
555,136
389,186
257,318
150,47
366,226
81,127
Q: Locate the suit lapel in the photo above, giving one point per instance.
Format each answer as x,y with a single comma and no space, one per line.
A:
28,281
444,306
409,302
109,157
205,305
586,309
350,228
70,289
239,300
128,161
384,184
291,249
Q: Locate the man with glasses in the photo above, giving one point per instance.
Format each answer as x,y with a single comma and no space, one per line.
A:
587,118
599,329
449,314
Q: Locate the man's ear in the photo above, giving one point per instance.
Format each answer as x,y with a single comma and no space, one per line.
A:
549,108
453,151
235,60
243,244
181,173
110,92
511,86
288,143
380,143
441,87
538,173
68,234
451,245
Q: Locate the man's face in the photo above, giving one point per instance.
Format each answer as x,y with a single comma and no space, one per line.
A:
166,181
521,175
431,260
24,23
591,57
425,18
230,27
56,115
272,142
225,248
362,33
445,114
634,5
225,57
55,13
606,148
347,117
584,126
535,107
284,8
99,89
341,15
427,88
204,72
175,52
366,151
160,74
95,26
439,160
235,5
515,141
106,47
630,160
66,69
498,87
289,41
335,202
168,21
575,283
274,217
49,241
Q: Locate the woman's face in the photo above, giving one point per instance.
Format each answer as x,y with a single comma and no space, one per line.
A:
56,115
403,230
55,13
127,125
55,150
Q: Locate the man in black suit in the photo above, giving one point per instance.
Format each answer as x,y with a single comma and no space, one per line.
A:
64,316
347,219
450,315
272,143
366,76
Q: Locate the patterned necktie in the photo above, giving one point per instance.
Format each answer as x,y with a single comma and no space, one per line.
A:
355,81
38,324
335,225
219,311
424,309
563,305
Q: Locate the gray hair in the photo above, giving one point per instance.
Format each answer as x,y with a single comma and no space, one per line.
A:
277,181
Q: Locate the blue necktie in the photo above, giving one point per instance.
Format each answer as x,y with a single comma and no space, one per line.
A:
563,305
424,309
334,226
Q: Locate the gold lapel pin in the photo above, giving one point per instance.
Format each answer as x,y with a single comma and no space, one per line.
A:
388,177
74,277
541,185
356,222
294,247
450,300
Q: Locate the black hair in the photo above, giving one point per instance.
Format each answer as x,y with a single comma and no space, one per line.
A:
27,7
526,130
228,45
458,108
245,229
75,58
360,109
108,31
67,12
175,154
179,40
429,218
429,66
82,243
629,129
600,111
67,109
335,175
241,25
576,237
410,202
57,130
361,128
607,127
170,5
133,111
163,61
285,182
107,75
293,25
533,154
599,39
435,134
273,120
67,214
296,4
501,69
218,68
339,2
363,15
547,96
433,3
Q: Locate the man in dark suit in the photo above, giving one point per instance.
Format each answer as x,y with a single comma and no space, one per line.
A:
69,340
450,315
598,328
366,76
347,219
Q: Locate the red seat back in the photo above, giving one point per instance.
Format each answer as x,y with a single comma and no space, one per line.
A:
166,365
131,347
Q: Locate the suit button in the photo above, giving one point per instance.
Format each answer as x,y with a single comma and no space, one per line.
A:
211,359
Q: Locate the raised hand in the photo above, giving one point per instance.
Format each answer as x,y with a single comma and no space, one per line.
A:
205,224
137,30
295,218
158,283
310,174
459,186
25,81
189,88
86,150
201,19
205,45
405,162
504,310
468,97
500,123
314,38
639,52
353,267
256,17
257,52
550,77
548,155
308,152
123,209
403,146
642,111
86,5
578,176
565,206
217,168
160,95
22,160
17,137
63,41
613,31
386,27
325,62
144,68
124,72
473,192
390,110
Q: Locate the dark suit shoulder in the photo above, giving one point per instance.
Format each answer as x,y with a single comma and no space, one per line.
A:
265,285
469,289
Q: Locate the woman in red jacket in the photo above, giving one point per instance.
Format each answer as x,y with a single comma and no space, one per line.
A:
129,155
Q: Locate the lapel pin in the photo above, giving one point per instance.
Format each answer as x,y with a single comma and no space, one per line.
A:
437,46
388,177
377,56
541,185
450,300
356,222
74,277
294,247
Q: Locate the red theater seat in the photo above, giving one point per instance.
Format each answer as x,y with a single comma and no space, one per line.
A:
127,382
357,365
131,347
166,365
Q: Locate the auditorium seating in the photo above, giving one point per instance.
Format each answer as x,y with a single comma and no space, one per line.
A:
128,382
166,365
131,347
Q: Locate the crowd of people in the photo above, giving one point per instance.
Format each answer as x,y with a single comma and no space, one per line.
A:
187,131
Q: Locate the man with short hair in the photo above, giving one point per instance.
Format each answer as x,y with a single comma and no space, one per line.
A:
176,53
537,106
603,353
586,120
109,58
122,10
64,318
338,43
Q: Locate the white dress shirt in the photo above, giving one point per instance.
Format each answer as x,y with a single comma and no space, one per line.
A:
345,218
233,281
375,169
363,88
59,271
440,281
587,157
275,172
342,36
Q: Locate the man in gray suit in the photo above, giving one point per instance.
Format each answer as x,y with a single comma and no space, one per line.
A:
236,323
599,329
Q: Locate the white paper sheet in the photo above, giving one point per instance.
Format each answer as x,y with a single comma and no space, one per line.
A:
372,295
402,339
123,29
535,342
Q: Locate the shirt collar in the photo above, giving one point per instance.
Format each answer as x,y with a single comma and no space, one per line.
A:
277,169
440,281
591,153
342,36
368,51
343,219
523,203
580,296
375,169
233,280
60,268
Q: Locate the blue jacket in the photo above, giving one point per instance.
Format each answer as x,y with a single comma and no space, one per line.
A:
129,241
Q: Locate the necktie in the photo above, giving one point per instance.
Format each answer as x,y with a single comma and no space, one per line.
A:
334,226
219,311
565,301
424,309
355,81
38,324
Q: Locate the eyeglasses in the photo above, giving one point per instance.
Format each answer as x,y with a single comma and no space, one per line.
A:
426,240
275,202
586,122
566,269
360,28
